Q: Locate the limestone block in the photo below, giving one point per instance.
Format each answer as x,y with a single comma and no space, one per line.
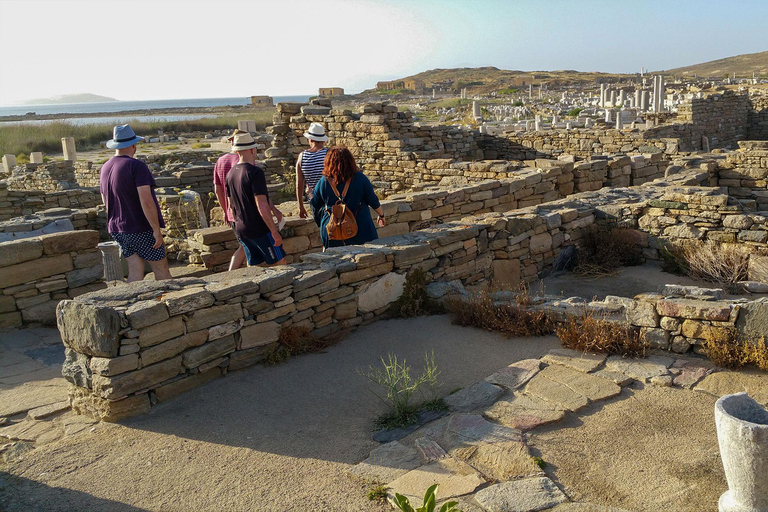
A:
642,313
34,270
163,331
187,300
758,268
86,403
214,235
258,335
69,241
295,244
177,387
89,329
694,309
753,319
83,276
230,288
124,384
345,311
384,291
521,495
145,313
453,476
225,329
480,394
12,319
209,351
76,368
656,338
44,313
110,366
387,462
205,318
244,358
366,273
505,273
19,251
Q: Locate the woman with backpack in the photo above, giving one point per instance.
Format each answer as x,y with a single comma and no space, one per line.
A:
341,202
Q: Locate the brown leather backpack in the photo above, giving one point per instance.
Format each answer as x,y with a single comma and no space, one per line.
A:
342,224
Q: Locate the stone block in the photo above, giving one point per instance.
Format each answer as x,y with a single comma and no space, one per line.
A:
44,313
382,292
524,495
758,268
225,329
205,318
209,351
753,319
694,309
12,319
505,273
258,335
30,271
295,244
172,347
19,251
177,387
227,289
124,384
110,366
366,273
88,259
86,403
187,300
215,235
69,241
76,368
145,313
89,329
163,331
244,358
656,338
642,313
83,276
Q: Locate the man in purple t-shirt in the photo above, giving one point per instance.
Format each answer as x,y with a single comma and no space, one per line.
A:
133,213
220,171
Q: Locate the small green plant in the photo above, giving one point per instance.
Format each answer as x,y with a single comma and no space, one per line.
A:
22,158
200,145
672,261
276,355
518,103
377,492
172,146
429,504
575,112
539,462
414,301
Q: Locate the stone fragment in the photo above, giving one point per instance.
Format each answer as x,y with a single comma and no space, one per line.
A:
640,369
619,378
89,329
556,393
83,276
209,317
258,335
172,347
574,359
656,338
225,290
76,368
690,375
454,478
584,507
387,462
430,451
187,300
244,358
113,388
663,381
35,270
516,374
19,251
480,394
753,319
87,403
27,430
160,332
504,460
146,313
14,452
523,412
109,366
694,309
48,410
380,293
219,331
527,495
642,313
464,429
209,351
728,383
69,241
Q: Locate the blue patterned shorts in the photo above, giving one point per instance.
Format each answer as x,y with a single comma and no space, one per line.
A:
139,243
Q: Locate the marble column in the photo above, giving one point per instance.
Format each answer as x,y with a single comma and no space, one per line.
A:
9,162
68,147
602,95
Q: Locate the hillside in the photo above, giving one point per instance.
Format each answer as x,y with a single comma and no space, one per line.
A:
85,97
742,65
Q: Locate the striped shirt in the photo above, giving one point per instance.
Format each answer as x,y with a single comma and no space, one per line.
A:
220,171
312,168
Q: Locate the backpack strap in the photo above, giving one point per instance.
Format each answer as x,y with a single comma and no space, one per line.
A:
336,191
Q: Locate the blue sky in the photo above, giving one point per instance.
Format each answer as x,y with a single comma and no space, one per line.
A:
176,49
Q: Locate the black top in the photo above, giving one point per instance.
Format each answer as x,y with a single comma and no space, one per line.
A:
245,181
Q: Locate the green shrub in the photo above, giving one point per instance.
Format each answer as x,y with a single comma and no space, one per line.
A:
575,112
429,504
414,301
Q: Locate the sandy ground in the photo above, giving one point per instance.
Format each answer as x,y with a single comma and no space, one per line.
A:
647,450
266,438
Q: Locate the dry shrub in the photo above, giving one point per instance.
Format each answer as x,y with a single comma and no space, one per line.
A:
604,251
588,333
299,340
414,301
757,353
510,320
728,351
724,264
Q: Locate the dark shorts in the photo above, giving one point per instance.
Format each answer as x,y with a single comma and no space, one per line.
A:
139,243
262,250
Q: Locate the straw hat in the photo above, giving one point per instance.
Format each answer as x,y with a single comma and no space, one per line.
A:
316,132
243,141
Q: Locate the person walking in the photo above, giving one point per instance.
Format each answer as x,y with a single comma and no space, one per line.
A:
249,204
341,172
133,213
220,171
309,165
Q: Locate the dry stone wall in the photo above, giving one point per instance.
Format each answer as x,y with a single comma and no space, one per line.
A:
17,203
757,121
745,174
49,177
87,218
721,118
36,273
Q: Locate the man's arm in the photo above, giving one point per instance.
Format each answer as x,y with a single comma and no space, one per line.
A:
150,212
262,203
300,189
221,197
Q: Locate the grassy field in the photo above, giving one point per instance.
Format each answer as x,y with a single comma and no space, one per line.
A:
26,138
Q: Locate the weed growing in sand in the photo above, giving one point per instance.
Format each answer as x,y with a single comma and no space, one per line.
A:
539,462
511,320
200,145
429,504
588,333
414,301
294,340
378,492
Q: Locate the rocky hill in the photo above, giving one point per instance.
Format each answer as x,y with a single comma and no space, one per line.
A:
742,65
84,97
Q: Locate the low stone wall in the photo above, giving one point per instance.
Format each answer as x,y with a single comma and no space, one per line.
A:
757,121
721,118
87,218
49,177
36,273
16,203
745,174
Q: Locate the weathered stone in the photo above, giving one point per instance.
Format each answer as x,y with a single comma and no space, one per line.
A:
690,375
506,273
48,410
177,387
584,507
83,276
728,383
27,430
44,313
113,388
430,451
556,393
160,332
31,271
258,335
89,329
694,309
76,368
172,347
527,495
696,329
378,294
454,478
387,463
209,317
516,374
146,313
656,338
480,394
574,359
225,290
187,300
758,268
500,461
19,251
244,358
31,395
361,275
14,452
85,402
753,319
109,366
642,313
219,331
69,241
465,429
640,369
523,412
209,351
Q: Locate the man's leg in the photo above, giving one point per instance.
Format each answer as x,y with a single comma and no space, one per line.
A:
161,270
237,258
135,268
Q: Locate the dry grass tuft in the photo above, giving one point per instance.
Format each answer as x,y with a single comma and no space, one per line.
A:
603,251
588,333
724,264
510,320
728,351
414,301
294,340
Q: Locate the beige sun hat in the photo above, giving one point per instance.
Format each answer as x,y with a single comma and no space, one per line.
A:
237,131
316,132
243,141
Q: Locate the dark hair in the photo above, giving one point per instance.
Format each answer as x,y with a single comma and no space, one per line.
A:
339,164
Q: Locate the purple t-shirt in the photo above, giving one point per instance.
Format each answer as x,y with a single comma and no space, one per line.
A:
119,178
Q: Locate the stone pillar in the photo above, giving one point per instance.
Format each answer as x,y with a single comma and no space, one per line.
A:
704,144
252,125
613,98
530,91
662,93
242,125
588,122
622,97
9,162
644,101
36,157
602,95
113,267
607,115
655,91
475,108
619,122
648,123
68,147
742,435
555,120
567,125
637,98
433,93
537,123
539,91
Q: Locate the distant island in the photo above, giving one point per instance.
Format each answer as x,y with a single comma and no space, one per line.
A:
85,97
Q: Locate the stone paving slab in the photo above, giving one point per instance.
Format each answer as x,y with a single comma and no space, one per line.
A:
584,507
594,388
40,374
516,374
556,393
27,430
574,359
48,410
464,429
480,394
528,495
754,382
430,451
387,462
523,412
25,397
622,379
640,369
454,477
498,461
